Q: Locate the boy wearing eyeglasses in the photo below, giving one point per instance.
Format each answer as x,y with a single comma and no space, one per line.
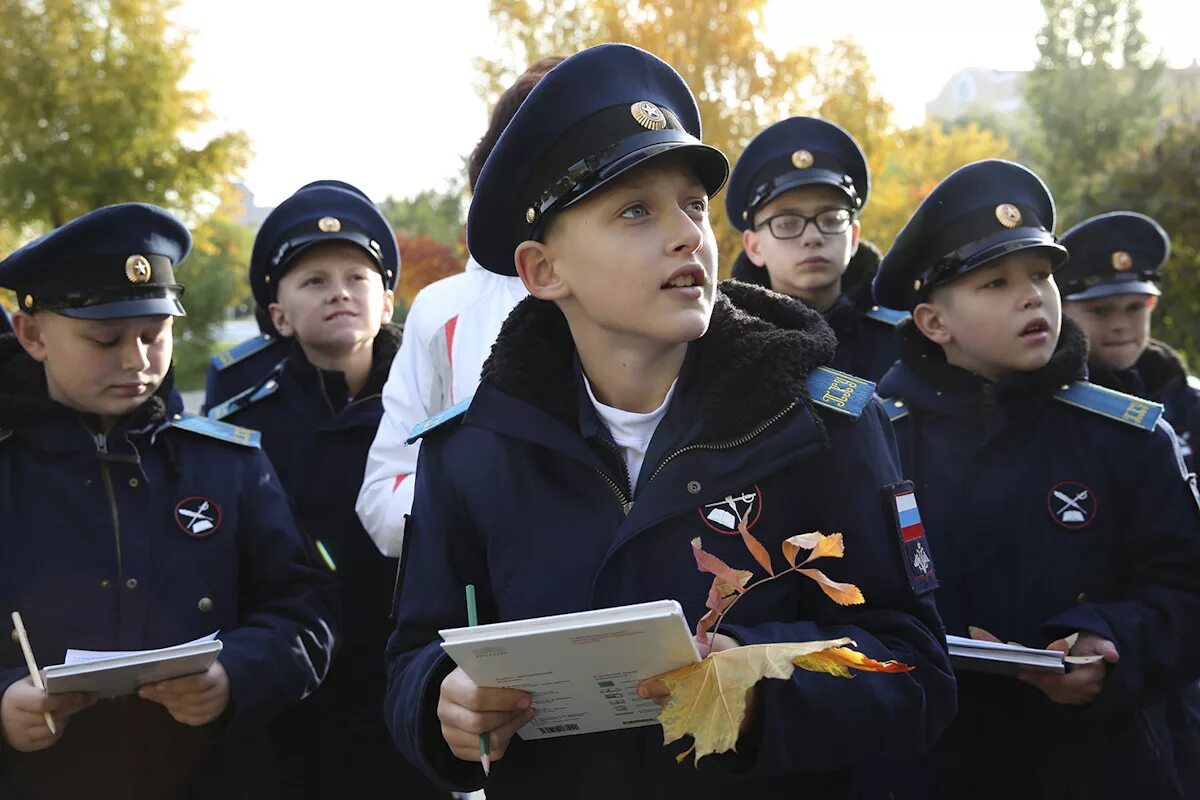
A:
796,195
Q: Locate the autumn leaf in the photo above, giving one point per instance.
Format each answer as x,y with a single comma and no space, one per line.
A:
722,593
755,547
708,699
844,594
820,544
707,562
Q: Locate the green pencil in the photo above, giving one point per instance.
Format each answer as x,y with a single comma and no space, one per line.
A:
485,757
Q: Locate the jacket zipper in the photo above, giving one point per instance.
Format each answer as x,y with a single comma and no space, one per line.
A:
726,445
622,495
102,448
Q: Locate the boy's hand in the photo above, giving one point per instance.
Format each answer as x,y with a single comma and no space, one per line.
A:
1084,682
466,710
656,690
193,699
23,714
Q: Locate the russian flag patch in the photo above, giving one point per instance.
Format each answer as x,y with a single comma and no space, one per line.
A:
914,548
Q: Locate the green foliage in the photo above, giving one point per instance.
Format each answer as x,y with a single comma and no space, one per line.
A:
91,111
1094,96
440,215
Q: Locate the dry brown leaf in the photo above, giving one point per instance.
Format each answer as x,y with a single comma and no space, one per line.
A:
708,699
820,544
844,594
755,547
707,562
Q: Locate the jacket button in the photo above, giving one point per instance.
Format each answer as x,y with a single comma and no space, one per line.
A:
131,583
205,604
133,483
1082,598
693,487
105,583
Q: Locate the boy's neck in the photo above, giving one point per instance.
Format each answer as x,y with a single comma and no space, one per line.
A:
631,378
354,363
824,298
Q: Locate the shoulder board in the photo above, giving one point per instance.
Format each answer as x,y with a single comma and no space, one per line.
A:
1193,383
218,430
243,399
438,420
840,391
894,407
888,316
242,351
1110,403
4,434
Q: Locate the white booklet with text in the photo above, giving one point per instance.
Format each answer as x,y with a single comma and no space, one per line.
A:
582,669
116,673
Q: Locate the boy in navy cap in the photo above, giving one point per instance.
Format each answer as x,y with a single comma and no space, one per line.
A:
621,402
1059,511
796,195
127,526
324,265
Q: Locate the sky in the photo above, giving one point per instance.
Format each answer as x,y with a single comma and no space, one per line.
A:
385,95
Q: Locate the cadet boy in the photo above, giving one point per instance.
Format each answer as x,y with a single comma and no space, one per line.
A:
796,195
621,399
128,526
324,265
1055,508
1110,289
449,330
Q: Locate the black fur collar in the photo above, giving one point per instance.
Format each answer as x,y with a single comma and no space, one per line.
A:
25,399
383,352
1157,368
928,362
753,361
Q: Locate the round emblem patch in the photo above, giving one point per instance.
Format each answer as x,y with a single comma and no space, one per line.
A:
137,269
723,516
1122,261
648,115
1071,504
198,517
802,159
1008,215
329,224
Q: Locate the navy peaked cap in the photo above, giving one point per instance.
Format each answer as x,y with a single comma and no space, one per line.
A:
979,213
596,115
117,261
1117,253
321,211
799,151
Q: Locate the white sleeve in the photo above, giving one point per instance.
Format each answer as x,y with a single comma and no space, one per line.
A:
386,496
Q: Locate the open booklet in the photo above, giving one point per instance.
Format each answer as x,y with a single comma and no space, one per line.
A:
582,669
977,655
110,673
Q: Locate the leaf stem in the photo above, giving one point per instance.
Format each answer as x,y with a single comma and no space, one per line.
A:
720,617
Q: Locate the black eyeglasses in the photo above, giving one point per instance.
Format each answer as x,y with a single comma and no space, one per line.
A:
790,225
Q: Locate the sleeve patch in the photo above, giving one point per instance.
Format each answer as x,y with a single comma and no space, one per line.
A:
839,391
438,420
910,533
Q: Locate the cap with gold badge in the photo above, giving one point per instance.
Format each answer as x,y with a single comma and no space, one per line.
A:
321,211
1117,253
592,118
979,213
117,261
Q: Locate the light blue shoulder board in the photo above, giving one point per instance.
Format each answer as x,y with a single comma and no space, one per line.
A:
839,391
895,408
204,426
243,399
438,420
888,316
1110,403
242,351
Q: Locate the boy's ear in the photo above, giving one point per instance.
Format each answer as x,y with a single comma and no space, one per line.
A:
280,320
750,244
930,319
28,329
389,306
535,266
855,236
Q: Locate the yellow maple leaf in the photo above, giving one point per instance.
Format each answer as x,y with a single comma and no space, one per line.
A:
708,699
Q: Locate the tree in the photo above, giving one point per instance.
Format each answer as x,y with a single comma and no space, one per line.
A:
424,260
436,214
1094,95
1163,181
91,111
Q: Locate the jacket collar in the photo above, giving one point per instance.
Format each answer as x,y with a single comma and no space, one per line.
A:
1158,368
756,338
924,378
333,384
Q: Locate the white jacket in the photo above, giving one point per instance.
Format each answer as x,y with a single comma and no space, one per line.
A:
448,334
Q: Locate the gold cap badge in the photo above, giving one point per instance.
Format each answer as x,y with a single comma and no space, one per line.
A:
802,159
1008,215
1122,261
648,115
530,214
28,301
137,269
329,224
917,285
